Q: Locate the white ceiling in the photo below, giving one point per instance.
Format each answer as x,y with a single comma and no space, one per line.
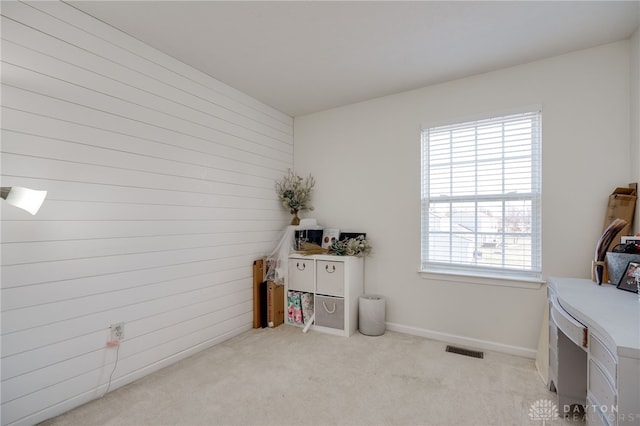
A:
305,56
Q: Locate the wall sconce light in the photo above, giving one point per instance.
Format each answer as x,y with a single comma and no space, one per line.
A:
24,198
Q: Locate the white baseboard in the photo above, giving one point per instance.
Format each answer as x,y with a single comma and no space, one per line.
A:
468,342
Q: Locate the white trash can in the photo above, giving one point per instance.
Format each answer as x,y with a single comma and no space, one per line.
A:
371,315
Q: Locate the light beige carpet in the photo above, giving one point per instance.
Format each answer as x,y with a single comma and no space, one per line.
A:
284,377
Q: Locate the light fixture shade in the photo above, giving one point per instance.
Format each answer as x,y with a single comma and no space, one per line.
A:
26,199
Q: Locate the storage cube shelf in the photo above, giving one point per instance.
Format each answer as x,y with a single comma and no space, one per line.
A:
336,283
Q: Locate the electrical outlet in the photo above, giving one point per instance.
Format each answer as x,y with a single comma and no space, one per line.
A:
117,332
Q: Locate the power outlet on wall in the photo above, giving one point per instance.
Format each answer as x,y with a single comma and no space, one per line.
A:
117,332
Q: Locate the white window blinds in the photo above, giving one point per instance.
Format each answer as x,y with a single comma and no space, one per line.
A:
481,189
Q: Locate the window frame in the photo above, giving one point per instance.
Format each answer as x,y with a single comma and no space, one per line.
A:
430,268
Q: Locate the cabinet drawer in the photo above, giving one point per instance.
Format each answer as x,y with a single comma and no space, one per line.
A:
301,275
330,312
330,278
571,327
605,359
600,389
594,416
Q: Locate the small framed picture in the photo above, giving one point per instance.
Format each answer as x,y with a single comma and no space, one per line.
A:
344,235
329,236
629,280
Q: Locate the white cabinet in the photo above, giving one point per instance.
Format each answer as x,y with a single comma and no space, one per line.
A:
336,283
594,350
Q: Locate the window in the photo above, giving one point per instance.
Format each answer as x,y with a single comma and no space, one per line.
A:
481,190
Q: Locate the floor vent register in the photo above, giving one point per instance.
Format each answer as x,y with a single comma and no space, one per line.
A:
466,352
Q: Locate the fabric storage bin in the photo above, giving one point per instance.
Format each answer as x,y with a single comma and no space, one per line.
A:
301,275
329,312
330,278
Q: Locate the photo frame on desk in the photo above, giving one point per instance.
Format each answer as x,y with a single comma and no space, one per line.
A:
629,280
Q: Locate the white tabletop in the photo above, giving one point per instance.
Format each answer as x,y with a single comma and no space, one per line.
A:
604,308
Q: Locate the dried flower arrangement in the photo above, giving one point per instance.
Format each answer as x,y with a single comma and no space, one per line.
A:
294,192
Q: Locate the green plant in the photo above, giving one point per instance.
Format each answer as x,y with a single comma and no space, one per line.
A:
338,248
358,247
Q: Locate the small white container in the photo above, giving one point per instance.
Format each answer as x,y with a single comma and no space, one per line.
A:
371,315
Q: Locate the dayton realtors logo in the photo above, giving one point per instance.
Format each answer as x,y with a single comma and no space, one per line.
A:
543,410
546,410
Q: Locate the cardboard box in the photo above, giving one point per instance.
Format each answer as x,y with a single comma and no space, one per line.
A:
275,304
258,274
622,205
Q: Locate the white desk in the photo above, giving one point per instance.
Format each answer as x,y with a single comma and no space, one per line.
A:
594,350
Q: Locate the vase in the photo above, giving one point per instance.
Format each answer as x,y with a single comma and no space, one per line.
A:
296,220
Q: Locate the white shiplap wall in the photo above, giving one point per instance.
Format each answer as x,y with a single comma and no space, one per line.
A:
161,194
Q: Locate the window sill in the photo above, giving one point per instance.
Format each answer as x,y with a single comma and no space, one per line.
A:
493,280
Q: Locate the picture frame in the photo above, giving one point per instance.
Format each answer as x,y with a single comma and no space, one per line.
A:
629,280
344,235
329,236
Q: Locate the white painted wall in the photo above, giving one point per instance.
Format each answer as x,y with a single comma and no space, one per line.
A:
635,114
366,160
161,195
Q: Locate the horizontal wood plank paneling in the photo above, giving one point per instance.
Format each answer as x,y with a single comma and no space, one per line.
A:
78,153
160,186
38,337
199,312
192,137
33,230
49,251
30,123
186,292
